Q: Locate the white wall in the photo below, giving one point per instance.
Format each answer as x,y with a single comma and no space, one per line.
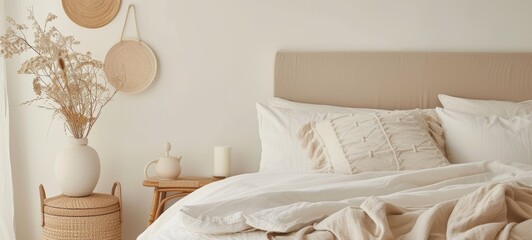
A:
216,60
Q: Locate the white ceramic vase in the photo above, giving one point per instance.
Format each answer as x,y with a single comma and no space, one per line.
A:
77,168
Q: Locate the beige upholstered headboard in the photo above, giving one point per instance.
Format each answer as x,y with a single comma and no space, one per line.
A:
400,80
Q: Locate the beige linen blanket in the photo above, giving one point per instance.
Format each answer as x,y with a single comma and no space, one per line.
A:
495,211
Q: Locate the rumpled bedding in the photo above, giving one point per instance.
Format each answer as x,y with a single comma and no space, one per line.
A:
495,211
481,200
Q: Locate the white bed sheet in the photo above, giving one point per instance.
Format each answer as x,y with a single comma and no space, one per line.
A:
255,200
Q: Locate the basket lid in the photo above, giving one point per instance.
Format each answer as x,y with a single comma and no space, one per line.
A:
94,204
95,200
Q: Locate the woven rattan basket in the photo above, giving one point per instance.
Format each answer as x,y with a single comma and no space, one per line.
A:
97,216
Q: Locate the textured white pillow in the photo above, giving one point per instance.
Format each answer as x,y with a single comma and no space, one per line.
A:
473,138
485,107
280,121
382,141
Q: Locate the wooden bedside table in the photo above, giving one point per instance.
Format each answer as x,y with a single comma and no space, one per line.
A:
180,188
97,216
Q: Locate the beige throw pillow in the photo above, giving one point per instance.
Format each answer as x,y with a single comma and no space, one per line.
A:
383,141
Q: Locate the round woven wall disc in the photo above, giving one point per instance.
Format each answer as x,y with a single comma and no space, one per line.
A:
91,13
130,66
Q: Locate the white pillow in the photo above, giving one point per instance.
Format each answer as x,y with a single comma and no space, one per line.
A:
472,138
280,121
485,107
381,141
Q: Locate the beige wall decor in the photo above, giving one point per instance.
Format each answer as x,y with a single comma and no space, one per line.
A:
91,13
131,60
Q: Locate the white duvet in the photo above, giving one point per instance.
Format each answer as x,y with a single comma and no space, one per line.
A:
247,206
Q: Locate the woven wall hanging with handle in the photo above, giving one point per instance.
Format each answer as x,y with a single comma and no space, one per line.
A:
130,65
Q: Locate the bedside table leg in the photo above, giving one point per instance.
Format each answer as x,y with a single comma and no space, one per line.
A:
155,204
161,208
160,205
165,199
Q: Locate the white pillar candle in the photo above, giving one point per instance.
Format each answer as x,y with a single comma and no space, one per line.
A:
222,161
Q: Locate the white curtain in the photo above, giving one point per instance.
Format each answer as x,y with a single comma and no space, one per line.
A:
7,230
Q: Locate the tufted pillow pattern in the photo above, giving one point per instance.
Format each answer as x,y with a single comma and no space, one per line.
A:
381,141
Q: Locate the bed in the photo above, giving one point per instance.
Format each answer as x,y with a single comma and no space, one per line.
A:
334,165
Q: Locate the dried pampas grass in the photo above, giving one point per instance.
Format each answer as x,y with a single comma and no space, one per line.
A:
69,83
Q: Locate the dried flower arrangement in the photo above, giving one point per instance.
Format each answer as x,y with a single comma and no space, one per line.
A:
69,83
